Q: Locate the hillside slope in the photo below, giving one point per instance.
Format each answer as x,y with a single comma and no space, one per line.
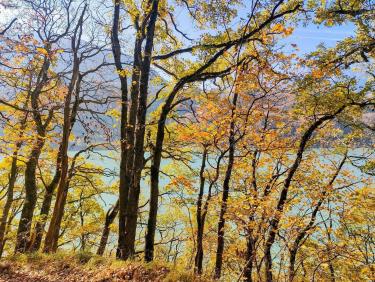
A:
42,268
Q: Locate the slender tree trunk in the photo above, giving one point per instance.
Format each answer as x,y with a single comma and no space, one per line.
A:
28,208
331,271
228,174
52,236
332,275
132,210
12,182
124,179
200,224
284,192
250,253
40,225
58,211
24,227
9,199
109,218
61,195
46,205
248,272
151,224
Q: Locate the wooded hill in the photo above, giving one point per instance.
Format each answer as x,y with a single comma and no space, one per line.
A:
193,133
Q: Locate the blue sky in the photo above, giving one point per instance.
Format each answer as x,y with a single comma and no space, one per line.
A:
309,37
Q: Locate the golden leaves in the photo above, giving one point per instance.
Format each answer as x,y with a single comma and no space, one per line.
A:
42,51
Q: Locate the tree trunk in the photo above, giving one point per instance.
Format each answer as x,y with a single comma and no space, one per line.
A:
128,149
200,223
109,218
28,208
12,182
274,224
151,224
228,174
52,236
24,226
61,195
250,252
132,210
40,225
124,179
9,199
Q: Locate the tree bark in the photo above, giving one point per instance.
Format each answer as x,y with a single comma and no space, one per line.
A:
24,227
61,195
284,192
250,253
40,225
300,237
9,199
200,223
124,178
109,218
12,181
228,174
52,236
138,164
28,208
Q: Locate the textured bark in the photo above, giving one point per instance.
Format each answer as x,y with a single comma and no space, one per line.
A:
24,227
223,209
250,253
128,137
52,236
11,184
124,179
198,263
28,208
199,75
138,164
109,218
40,225
9,199
46,205
61,195
252,238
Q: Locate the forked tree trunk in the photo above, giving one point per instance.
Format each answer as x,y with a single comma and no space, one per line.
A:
24,227
109,218
138,163
52,236
40,225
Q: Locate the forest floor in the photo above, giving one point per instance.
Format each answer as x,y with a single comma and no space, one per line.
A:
82,268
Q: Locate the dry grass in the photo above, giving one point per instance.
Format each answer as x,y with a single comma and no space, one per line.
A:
86,267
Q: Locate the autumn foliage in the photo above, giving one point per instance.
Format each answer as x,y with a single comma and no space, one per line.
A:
195,134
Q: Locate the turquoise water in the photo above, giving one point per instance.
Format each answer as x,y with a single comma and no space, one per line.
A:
111,161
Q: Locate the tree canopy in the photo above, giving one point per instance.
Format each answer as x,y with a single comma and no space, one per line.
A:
191,132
